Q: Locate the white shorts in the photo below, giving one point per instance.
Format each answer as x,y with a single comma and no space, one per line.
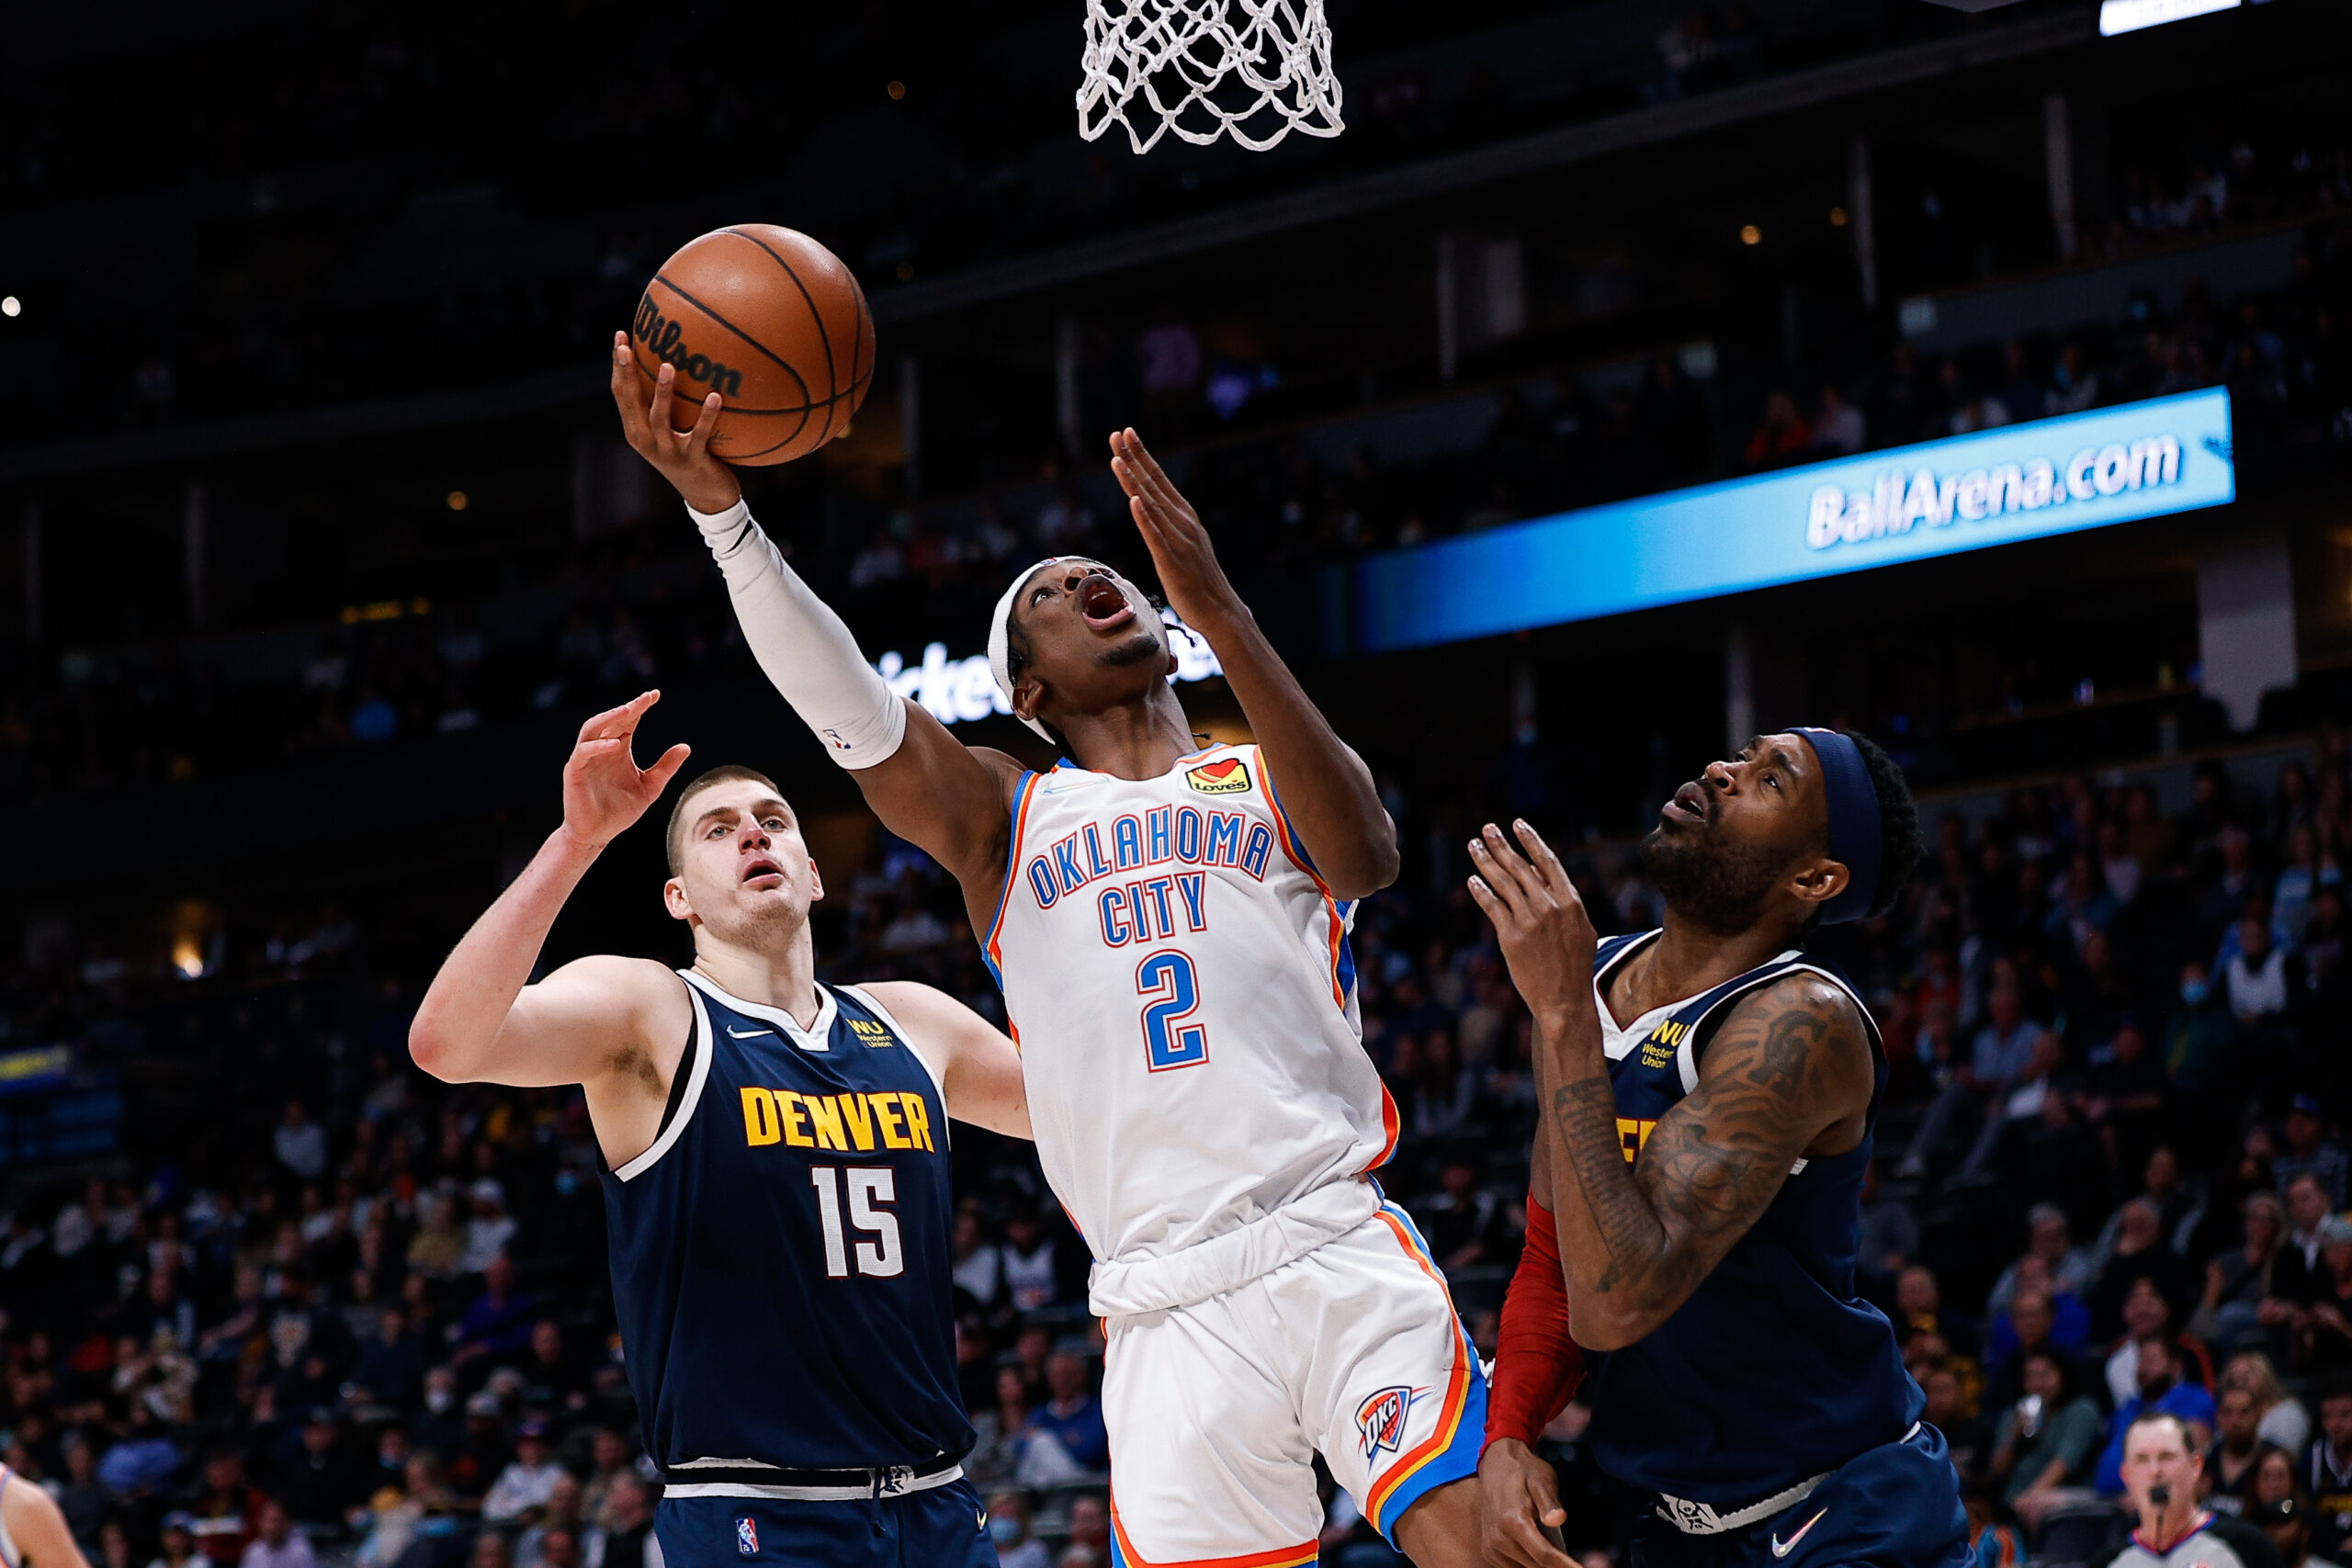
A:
1217,1410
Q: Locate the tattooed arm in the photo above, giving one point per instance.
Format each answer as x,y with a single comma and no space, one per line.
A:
1785,1076
1789,1073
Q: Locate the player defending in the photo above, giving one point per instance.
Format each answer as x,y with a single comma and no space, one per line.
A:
1709,1092
33,1533
776,1190
1170,926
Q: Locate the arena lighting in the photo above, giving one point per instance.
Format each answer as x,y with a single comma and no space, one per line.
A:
2130,15
11,306
1995,486
954,691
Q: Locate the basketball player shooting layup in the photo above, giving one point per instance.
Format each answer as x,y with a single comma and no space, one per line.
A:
1709,1094
776,1194
1169,927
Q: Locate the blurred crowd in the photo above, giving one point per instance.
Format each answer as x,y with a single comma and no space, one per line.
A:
316,226
628,609
327,1307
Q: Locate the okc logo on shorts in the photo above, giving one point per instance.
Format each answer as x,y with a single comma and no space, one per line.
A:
747,1536
1380,1420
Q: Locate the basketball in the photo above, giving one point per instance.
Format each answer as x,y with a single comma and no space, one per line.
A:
771,320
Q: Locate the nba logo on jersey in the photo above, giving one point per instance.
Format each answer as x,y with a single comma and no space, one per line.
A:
1381,1419
747,1536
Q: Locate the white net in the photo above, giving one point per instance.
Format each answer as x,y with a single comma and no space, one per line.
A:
1254,69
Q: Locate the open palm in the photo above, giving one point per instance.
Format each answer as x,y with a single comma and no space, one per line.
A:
603,789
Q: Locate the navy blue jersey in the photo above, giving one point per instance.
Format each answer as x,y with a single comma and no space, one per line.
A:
781,1253
1773,1371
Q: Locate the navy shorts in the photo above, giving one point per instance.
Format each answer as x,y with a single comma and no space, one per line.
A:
945,1527
1896,1507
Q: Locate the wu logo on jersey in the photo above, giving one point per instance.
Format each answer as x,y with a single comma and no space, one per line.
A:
1380,1420
747,1536
1228,776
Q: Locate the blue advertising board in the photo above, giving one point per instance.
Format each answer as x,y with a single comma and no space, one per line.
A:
1970,492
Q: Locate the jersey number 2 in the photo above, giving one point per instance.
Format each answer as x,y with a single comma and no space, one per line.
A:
883,1258
1166,981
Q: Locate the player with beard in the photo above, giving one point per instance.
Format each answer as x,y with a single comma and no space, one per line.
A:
1170,924
1709,1091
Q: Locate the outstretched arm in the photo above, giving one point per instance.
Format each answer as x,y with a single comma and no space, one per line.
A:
979,1067
1325,790
1637,1234
927,787
616,1025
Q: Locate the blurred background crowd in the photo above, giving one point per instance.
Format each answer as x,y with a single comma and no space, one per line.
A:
327,1295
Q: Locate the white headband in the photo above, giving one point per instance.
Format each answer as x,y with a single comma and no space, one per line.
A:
1001,641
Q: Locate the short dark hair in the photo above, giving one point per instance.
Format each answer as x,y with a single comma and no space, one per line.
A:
2156,1416
727,773
1900,845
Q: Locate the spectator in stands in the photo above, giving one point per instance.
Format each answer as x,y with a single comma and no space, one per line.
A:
1009,1528
489,1230
1031,1262
1071,1417
2308,1150
2287,1523
2326,1472
278,1544
2200,1034
2140,1256
498,1322
979,1268
1168,368
1783,437
1090,1534
996,1453
527,1481
1464,1219
319,1481
1840,430
82,1499
2147,1310
560,1515
390,1369
2300,1271
2162,1391
2238,1283
301,1143
226,1509
628,1526
2046,1440
2281,1420
2237,1450
2324,1339
2050,1239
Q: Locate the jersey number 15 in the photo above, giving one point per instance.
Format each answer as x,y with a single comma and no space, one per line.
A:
883,1258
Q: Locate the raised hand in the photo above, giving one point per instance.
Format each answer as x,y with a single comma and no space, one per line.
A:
682,457
603,789
1546,935
1189,573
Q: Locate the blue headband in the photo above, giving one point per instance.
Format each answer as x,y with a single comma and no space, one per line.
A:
1855,834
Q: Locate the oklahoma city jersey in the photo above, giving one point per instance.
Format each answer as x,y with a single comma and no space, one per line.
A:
1177,978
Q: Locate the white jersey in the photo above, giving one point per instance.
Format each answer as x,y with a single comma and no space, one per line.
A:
1178,981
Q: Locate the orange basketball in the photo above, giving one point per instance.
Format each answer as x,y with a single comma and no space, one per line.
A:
772,321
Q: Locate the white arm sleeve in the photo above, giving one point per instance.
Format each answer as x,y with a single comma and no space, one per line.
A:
806,650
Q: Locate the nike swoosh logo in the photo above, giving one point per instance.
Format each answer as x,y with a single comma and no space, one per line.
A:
747,1033
1782,1547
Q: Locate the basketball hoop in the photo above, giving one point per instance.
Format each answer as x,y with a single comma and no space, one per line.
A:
1256,70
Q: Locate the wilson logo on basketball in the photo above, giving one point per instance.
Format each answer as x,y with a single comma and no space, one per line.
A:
664,339
1380,1420
1229,776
